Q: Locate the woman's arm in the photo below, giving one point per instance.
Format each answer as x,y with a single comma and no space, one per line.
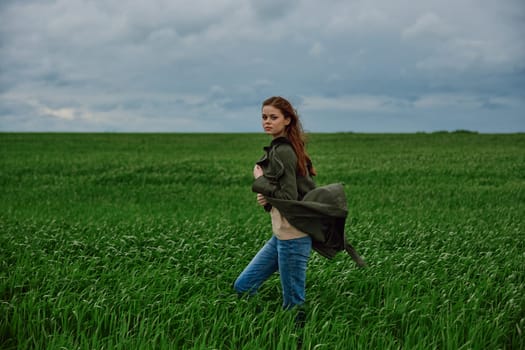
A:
286,186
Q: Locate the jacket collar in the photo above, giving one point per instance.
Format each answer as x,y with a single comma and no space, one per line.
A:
279,141
282,140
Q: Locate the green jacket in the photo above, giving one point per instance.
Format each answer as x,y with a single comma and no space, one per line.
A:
320,212
280,180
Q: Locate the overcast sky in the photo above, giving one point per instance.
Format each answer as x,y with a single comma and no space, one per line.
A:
206,65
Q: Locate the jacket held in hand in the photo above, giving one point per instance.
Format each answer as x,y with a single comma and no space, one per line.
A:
319,212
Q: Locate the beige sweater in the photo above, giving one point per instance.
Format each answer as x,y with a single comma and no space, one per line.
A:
282,228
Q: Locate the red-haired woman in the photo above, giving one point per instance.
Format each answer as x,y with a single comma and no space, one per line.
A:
284,172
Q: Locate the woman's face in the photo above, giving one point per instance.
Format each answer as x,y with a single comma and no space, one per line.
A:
273,121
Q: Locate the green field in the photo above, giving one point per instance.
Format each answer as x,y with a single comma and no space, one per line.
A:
133,241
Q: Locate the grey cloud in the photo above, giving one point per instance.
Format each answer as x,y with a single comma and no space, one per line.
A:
187,64
273,9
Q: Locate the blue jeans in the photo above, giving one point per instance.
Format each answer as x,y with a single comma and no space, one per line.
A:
290,258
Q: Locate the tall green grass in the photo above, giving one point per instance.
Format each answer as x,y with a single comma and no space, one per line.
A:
118,241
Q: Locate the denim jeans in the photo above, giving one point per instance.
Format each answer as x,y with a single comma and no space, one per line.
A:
290,258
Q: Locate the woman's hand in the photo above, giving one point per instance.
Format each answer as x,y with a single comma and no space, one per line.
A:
261,200
257,171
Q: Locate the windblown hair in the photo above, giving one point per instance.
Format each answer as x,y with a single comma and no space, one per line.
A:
294,133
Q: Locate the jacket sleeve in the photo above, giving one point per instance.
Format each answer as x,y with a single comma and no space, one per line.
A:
285,186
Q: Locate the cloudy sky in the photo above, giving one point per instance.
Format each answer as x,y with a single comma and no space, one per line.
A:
206,65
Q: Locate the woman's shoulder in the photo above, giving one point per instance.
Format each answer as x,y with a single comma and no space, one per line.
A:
285,152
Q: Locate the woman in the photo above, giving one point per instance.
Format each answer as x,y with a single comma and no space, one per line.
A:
284,172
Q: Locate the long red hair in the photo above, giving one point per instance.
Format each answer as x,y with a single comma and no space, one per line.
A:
294,133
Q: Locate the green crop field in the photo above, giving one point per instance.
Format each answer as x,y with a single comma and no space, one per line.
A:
133,241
